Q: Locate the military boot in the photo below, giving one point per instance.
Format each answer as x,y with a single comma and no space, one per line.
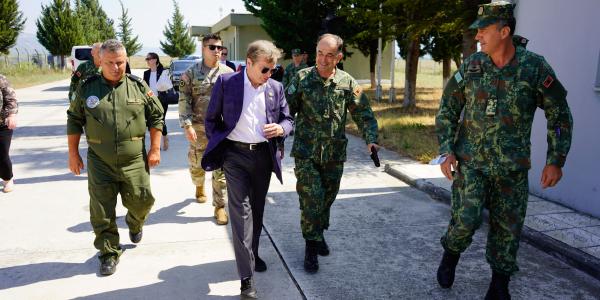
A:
108,265
311,261
498,287
447,268
200,196
323,248
221,216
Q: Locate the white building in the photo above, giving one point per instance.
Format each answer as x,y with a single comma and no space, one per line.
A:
567,34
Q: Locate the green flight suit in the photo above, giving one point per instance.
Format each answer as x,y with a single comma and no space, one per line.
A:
319,149
83,71
114,120
491,142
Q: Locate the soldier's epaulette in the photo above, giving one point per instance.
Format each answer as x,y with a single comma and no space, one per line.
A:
91,78
131,76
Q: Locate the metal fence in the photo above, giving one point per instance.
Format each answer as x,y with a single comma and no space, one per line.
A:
41,58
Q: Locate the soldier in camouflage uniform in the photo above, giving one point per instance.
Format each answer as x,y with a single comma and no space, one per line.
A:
194,94
322,96
114,109
8,122
85,70
499,90
293,68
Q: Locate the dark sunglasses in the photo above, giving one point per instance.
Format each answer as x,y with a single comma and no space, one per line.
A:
224,54
213,47
149,58
271,71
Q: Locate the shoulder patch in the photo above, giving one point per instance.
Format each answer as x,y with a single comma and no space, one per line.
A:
458,77
77,73
150,93
357,91
548,81
291,89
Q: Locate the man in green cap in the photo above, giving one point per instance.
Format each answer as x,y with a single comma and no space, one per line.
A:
114,109
293,68
85,70
488,148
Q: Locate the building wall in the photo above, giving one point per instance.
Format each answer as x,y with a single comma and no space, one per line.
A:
357,65
566,34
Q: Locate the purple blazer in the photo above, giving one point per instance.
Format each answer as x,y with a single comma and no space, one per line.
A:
224,111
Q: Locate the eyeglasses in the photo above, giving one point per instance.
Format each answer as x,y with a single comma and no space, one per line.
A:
149,58
213,47
265,70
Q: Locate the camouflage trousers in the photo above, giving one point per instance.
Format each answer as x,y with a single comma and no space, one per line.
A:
317,185
505,196
198,174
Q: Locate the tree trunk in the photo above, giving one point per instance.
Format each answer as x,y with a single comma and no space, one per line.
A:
469,45
62,62
410,76
447,66
373,65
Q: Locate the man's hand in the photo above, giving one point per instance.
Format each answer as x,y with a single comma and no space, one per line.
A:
551,176
153,157
372,145
11,121
449,164
190,134
75,163
273,130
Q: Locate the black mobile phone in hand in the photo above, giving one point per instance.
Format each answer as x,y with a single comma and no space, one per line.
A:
374,156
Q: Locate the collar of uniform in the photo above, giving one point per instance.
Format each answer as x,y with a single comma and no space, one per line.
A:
335,79
519,51
118,82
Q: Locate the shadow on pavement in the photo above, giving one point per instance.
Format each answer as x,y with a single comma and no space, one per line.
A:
168,214
50,178
28,274
181,282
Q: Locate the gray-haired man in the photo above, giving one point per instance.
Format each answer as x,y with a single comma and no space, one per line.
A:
115,109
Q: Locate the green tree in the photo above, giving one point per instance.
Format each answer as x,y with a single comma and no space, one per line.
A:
178,41
295,23
97,26
125,33
11,24
57,29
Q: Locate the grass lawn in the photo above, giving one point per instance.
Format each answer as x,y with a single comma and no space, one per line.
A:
27,75
411,131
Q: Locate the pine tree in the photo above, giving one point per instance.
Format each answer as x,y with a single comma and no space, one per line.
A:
97,26
125,33
178,42
11,24
58,29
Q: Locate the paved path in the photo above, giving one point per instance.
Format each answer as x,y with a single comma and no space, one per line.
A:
384,235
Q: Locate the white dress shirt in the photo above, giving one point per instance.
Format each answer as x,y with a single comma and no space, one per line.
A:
249,128
152,82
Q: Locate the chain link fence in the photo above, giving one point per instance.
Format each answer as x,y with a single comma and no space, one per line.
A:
38,57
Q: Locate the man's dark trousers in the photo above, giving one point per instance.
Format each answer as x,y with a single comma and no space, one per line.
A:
248,173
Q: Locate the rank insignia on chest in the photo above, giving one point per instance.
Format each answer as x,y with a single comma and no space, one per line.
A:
548,81
92,101
490,109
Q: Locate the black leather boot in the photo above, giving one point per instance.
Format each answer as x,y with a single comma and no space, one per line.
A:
447,268
498,287
323,248
311,262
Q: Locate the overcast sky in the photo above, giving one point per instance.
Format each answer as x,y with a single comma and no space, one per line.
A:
149,17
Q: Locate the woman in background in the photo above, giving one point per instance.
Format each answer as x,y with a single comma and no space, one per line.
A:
157,78
8,122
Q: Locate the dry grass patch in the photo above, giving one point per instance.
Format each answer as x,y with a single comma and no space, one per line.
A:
26,75
408,131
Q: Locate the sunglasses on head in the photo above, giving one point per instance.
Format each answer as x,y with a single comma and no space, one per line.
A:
265,70
213,47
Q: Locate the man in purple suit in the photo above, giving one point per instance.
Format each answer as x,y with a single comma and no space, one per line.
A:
247,118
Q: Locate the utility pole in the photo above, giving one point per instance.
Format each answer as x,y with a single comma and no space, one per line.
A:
392,72
378,90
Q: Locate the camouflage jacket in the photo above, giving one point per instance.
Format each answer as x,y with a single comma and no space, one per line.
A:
321,108
8,100
290,71
195,88
83,71
499,105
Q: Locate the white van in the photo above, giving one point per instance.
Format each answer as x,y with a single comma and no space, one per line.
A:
80,54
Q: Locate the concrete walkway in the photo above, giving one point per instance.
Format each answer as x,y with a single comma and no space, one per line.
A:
384,234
